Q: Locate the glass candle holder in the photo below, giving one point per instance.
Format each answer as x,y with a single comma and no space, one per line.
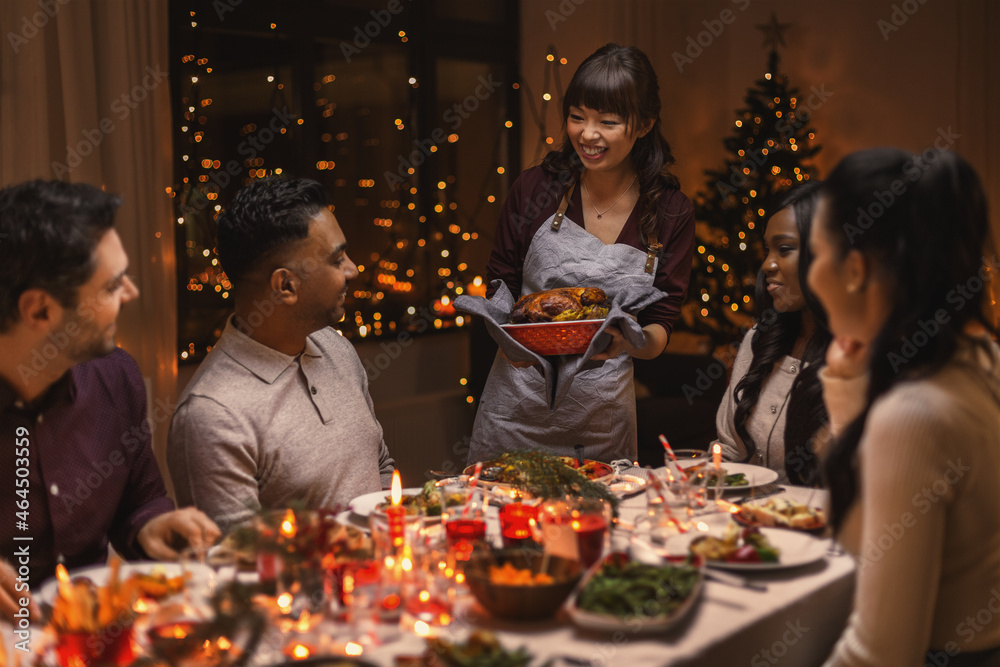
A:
517,523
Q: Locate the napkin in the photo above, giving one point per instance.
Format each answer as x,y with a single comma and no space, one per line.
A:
559,371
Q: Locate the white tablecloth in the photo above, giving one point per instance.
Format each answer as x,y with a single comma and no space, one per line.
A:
795,622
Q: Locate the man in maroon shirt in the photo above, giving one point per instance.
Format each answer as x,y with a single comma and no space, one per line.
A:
74,440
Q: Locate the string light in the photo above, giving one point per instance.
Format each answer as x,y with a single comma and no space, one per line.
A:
380,284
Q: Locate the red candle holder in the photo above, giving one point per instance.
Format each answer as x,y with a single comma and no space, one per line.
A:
516,521
397,522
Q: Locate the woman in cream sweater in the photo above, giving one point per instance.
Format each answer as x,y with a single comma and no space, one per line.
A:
913,394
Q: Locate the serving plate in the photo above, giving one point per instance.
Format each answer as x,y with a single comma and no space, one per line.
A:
776,519
554,338
365,504
99,574
796,549
602,471
624,486
755,475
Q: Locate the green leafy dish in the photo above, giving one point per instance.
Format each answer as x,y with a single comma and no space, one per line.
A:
627,594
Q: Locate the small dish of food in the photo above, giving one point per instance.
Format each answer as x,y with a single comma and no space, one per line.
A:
521,584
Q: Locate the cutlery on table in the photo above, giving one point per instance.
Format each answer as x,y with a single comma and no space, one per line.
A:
733,580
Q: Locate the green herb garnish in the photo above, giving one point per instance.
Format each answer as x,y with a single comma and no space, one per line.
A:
546,476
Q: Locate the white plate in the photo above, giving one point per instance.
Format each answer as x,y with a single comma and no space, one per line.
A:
369,502
796,549
633,624
755,475
99,574
624,486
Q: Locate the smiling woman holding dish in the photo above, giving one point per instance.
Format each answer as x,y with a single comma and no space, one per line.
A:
625,221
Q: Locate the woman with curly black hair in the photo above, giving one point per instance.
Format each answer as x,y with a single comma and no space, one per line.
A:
772,414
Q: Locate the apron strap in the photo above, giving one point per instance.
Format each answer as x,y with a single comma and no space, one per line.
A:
561,211
653,249
653,246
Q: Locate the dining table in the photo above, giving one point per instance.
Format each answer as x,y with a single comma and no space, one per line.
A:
795,621
786,616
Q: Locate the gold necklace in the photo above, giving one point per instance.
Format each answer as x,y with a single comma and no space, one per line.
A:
600,214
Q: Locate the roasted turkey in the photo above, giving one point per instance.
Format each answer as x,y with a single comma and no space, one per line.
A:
561,305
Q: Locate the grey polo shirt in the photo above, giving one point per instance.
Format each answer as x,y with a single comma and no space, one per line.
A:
258,428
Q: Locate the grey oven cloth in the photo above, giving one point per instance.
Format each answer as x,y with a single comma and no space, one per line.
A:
626,295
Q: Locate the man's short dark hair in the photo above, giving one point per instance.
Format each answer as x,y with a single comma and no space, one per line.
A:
264,216
49,231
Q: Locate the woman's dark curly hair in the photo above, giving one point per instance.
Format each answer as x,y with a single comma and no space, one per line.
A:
620,80
930,238
773,338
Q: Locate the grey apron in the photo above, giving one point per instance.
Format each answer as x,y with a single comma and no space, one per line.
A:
598,411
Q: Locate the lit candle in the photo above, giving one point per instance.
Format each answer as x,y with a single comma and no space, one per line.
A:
288,528
65,586
396,513
717,456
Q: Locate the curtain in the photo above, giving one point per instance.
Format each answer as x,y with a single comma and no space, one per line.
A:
85,97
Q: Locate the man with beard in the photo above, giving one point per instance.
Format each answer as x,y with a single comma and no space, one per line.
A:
71,402
279,412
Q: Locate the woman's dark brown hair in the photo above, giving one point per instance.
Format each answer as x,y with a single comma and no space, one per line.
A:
620,80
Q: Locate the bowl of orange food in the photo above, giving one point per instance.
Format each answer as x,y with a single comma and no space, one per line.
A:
521,584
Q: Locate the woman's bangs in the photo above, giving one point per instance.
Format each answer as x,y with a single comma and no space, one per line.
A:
607,91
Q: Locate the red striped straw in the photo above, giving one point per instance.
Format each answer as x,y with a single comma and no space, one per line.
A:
472,488
673,457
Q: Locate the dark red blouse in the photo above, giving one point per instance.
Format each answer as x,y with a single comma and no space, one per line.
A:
535,196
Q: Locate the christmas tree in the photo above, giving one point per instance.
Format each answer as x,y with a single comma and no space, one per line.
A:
768,154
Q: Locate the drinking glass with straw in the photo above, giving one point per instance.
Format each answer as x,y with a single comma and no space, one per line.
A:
671,460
